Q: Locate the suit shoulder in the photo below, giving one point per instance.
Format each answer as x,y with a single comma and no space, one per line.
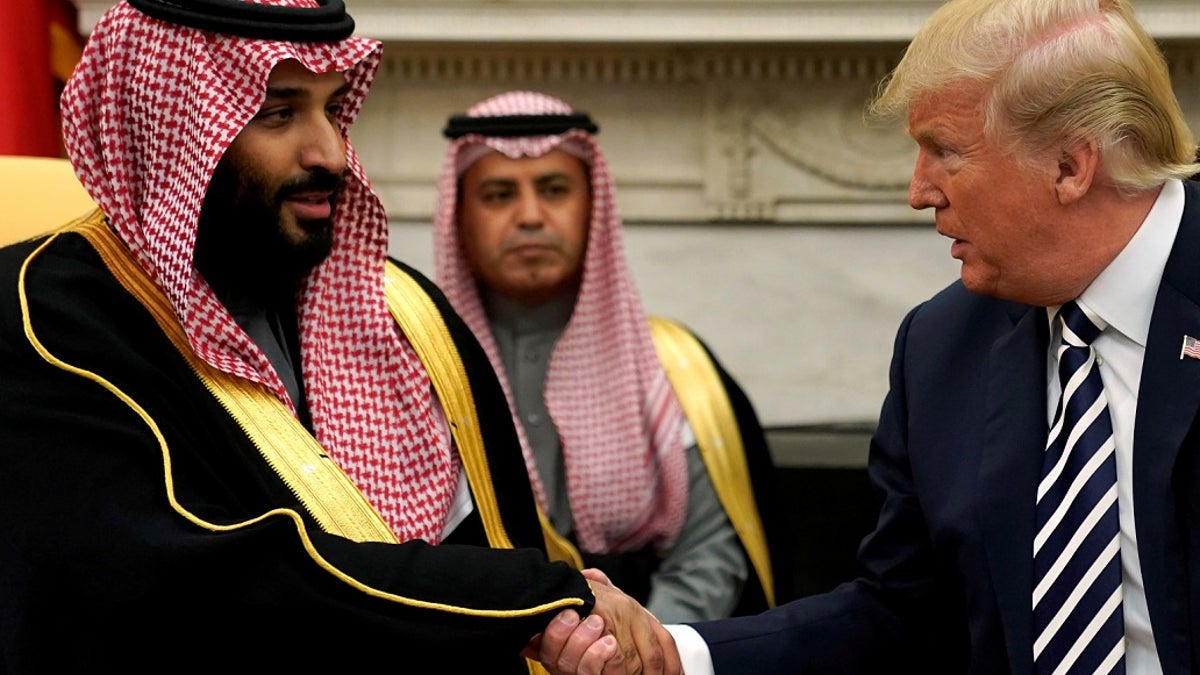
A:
954,325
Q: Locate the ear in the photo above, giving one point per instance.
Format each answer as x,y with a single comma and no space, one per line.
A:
1077,167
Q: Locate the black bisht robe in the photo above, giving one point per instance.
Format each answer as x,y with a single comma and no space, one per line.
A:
100,573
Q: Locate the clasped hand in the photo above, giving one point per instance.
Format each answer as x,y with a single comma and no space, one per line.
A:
619,637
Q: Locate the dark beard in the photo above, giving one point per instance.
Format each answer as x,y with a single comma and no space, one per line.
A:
241,248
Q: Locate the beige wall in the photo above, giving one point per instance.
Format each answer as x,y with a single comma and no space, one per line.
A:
759,208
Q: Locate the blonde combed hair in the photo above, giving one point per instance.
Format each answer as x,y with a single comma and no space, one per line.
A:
1055,71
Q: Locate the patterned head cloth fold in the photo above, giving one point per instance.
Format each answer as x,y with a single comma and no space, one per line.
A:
618,419
149,112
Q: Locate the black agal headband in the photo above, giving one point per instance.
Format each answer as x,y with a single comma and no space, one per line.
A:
328,22
518,125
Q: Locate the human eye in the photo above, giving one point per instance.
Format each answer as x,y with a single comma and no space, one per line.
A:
950,157
275,115
496,195
334,109
936,149
941,152
555,189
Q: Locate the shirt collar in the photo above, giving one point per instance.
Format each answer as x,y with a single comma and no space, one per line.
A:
521,318
1123,295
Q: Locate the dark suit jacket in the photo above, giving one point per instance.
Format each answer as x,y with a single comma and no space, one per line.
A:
947,573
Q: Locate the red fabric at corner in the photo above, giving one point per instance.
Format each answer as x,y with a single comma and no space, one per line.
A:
39,43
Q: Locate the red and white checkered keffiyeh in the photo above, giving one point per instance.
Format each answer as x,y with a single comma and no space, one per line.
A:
619,421
150,110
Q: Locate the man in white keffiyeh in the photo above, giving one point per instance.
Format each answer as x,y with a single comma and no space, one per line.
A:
228,419
528,250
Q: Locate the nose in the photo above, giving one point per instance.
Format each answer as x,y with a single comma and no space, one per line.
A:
923,193
324,146
529,210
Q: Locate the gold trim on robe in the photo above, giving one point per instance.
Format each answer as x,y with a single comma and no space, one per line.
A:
419,320
557,546
422,323
332,499
321,487
706,405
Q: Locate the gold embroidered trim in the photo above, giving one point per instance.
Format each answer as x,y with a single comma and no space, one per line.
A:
422,323
325,491
706,405
94,228
558,547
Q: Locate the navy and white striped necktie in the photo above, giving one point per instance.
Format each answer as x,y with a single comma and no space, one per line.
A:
1077,618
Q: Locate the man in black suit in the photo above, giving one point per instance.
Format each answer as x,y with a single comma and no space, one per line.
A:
1014,536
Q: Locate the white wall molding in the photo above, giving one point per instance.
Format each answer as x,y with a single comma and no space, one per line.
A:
633,64
697,133
678,21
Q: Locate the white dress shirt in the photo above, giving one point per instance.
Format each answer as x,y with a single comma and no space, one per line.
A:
1123,296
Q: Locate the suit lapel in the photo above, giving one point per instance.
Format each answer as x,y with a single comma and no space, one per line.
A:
1168,399
1013,442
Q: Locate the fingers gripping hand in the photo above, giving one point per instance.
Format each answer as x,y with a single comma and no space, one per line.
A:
571,646
647,646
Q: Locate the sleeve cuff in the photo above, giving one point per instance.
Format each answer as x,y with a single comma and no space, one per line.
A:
693,651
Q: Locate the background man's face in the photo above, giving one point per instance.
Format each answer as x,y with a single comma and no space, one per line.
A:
268,214
523,223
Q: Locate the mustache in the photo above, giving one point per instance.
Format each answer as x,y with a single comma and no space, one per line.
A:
313,180
526,238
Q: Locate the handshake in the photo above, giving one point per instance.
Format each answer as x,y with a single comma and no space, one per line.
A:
619,637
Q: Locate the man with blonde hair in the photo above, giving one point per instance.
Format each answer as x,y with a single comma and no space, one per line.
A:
1038,453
